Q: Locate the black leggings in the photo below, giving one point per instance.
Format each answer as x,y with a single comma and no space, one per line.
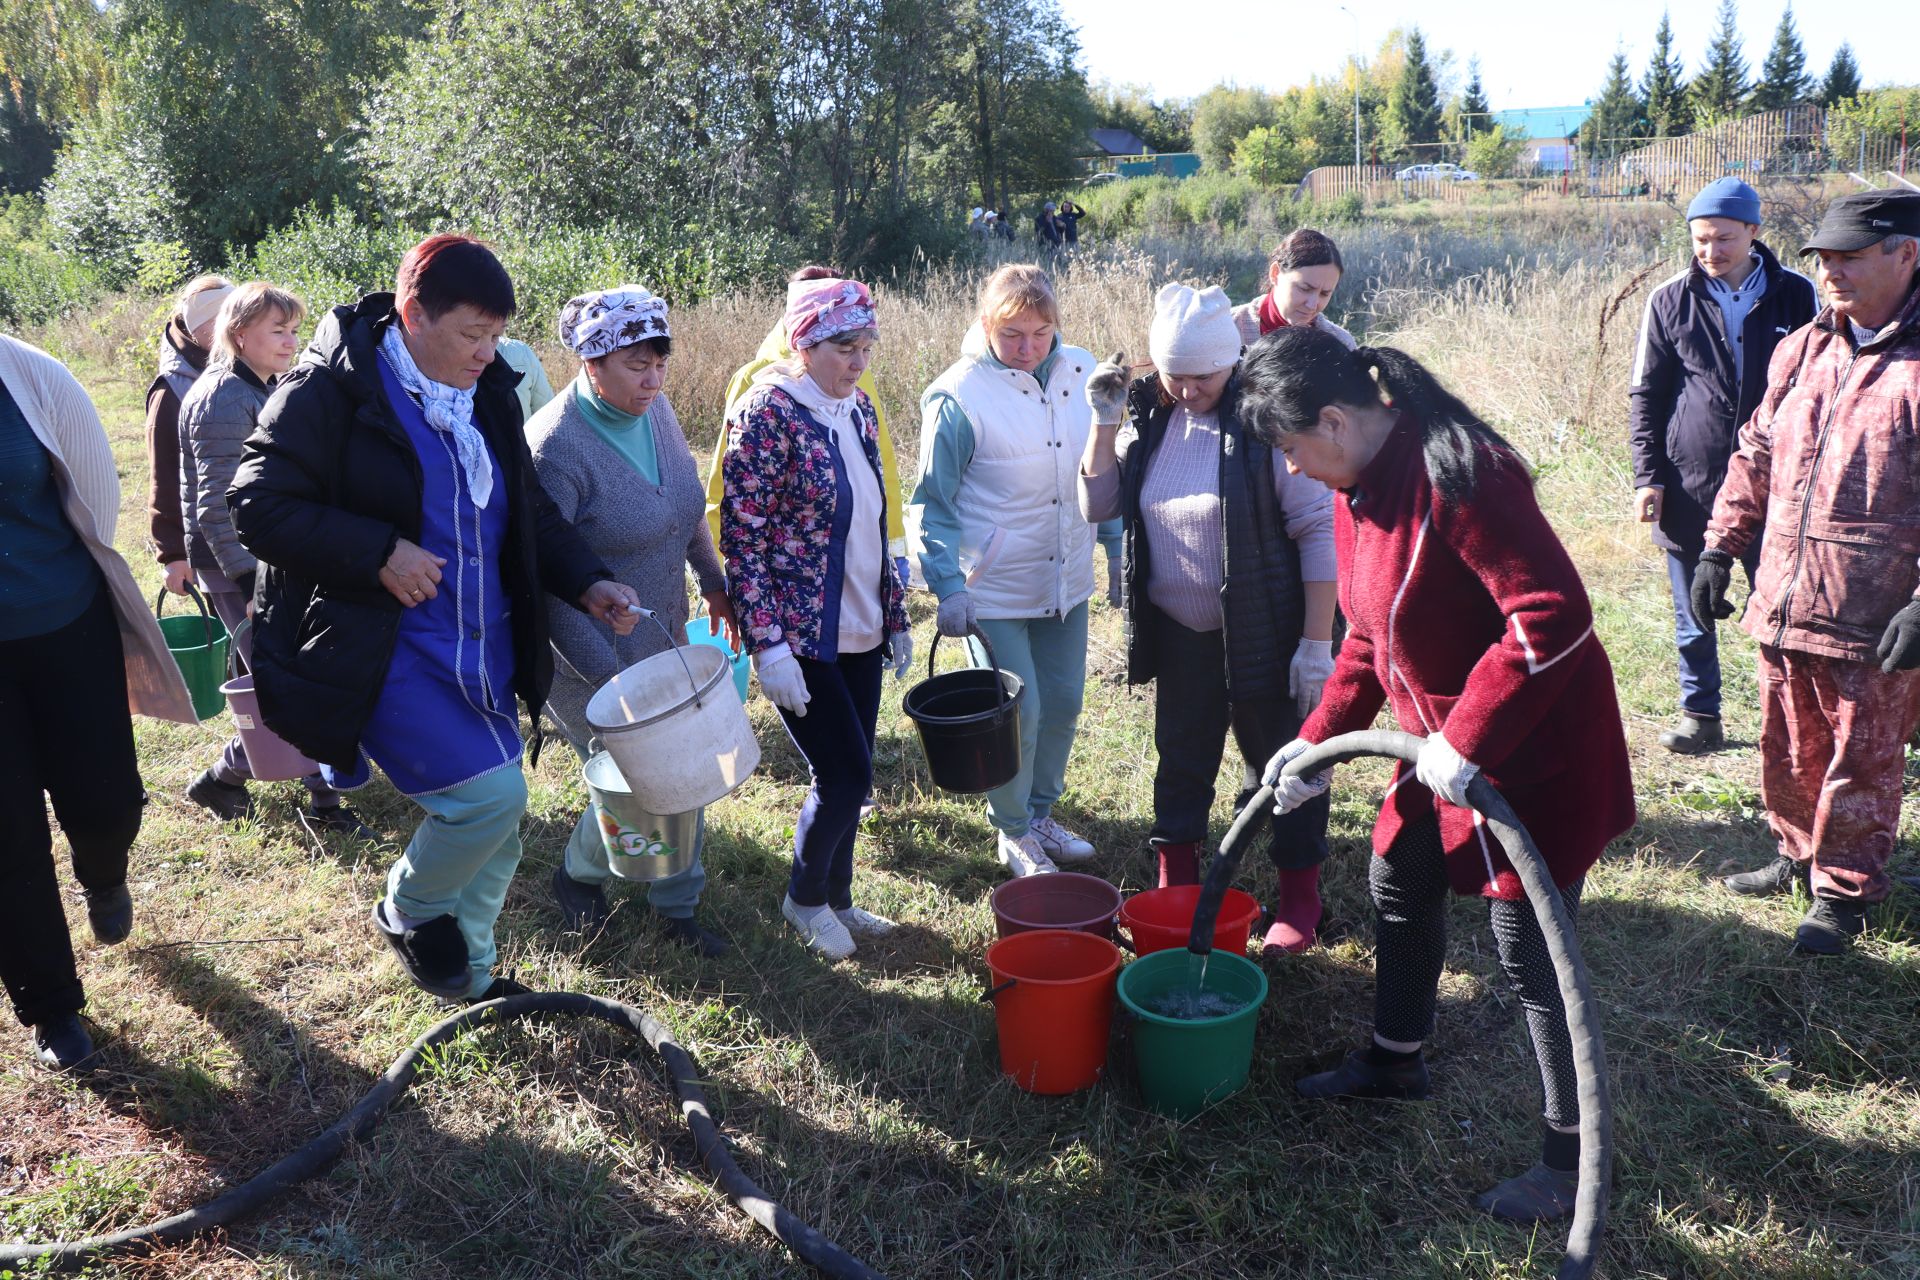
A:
1409,888
65,735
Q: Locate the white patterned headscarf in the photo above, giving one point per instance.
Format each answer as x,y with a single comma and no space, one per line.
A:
448,410
599,324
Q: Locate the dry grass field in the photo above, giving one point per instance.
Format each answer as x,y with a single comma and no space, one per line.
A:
1767,1105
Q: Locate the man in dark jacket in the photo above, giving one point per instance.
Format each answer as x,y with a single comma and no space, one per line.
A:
1700,370
404,543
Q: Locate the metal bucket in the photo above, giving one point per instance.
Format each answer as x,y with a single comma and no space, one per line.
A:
640,845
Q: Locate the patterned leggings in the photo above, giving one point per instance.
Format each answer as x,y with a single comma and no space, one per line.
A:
1410,888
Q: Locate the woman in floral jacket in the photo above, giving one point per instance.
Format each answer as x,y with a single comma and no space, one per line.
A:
803,532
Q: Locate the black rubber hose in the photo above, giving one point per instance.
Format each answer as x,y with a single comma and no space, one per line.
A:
822,1254
1576,991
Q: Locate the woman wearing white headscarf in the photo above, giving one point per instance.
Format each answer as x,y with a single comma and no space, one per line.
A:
610,453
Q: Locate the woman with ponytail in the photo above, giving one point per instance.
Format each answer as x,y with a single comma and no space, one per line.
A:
1465,615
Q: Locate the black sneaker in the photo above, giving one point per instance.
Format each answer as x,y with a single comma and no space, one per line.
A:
1360,1077
110,912
1538,1195
1829,925
584,906
337,820
1774,878
685,931
1694,735
62,1044
433,954
227,801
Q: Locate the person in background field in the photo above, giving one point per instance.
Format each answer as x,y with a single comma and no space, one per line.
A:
79,656
610,454
996,523
1700,370
1047,228
1301,276
1467,617
774,349
256,336
1230,610
1068,215
977,223
534,390
404,544
999,225
803,532
184,350
1825,478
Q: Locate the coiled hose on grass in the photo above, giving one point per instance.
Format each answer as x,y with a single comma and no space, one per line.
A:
1576,993
826,1257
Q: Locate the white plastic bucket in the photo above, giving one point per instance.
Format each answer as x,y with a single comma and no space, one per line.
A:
676,729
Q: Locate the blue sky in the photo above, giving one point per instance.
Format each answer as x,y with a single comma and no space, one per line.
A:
1532,53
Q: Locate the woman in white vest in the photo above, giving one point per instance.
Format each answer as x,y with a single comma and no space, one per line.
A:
995,521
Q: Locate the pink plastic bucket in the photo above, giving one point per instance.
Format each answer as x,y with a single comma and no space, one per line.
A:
271,757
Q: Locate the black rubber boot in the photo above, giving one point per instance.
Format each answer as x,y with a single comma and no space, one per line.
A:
110,912
337,820
1694,735
685,931
499,989
1360,1076
434,954
62,1044
1774,878
583,905
1544,1193
227,801
1829,926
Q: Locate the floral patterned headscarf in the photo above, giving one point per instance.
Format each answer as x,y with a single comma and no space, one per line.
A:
818,310
599,324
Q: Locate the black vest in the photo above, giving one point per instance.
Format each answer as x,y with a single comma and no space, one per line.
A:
1261,599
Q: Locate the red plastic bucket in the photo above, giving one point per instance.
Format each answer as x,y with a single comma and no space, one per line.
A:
1067,900
1161,918
1052,999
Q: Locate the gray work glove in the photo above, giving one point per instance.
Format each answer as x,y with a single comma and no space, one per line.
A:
1900,644
1107,390
956,617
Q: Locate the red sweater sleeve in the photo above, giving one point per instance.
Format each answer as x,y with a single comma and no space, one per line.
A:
1504,540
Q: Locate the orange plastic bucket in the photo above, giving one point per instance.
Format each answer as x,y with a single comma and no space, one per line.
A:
1161,918
1052,999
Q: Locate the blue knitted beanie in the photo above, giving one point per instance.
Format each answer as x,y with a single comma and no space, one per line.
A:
1726,198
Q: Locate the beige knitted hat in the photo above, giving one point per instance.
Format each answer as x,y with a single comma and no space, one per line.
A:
1193,332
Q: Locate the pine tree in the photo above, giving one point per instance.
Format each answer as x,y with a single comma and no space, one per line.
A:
1720,90
1664,90
1474,101
1843,78
1414,103
1618,114
1784,81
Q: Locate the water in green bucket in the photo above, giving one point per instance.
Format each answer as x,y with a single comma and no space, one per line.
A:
1192,1044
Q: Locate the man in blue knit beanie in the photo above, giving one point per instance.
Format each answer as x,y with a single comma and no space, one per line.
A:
1701,367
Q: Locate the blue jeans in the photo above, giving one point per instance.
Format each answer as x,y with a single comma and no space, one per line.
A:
462,859
1699,650
675,896
836,737
1050,657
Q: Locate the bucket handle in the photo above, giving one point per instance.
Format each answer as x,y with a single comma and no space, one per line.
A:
986,644
672,644
986,997
206,618
233,649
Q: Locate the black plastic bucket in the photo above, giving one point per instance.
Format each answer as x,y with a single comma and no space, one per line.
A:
969,723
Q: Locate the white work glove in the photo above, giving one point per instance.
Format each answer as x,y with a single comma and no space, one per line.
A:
1107,390
780,679
956,616
902,653
1290,793
1312,664
1444,771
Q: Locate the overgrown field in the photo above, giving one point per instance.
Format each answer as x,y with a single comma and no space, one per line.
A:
1767,1105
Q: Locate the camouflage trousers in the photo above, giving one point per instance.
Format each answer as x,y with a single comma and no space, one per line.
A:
1833,742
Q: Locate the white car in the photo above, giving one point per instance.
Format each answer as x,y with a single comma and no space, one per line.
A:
1440,171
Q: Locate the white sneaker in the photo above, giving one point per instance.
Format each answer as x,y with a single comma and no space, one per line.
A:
865,924
820,928
1058,842
1025,857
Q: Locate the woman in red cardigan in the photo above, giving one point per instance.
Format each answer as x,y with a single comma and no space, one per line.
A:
1467,616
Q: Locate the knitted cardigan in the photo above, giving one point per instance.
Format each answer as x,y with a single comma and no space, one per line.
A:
646,533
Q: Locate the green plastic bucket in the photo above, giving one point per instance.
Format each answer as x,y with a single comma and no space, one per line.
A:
199,649
1187,1065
